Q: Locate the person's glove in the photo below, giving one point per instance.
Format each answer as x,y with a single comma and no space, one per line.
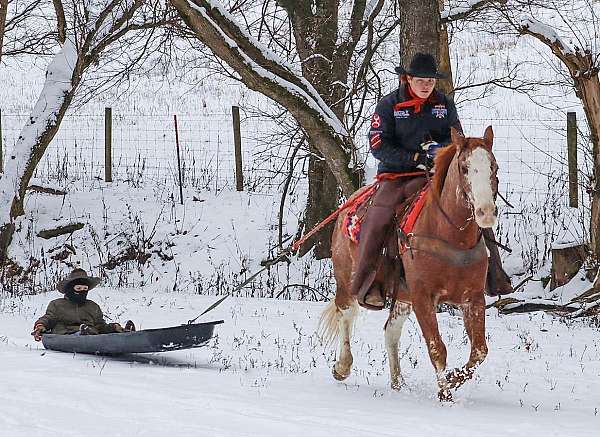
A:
116,327
424,161
431,148
38,330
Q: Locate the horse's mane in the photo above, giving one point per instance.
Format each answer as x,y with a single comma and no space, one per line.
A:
442,163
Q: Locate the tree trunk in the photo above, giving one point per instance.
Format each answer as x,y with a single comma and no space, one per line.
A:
324,62
91,34
421,30
262,72
322,201
3,11
589,92
56,96
315,34
566,262
444,85
583,69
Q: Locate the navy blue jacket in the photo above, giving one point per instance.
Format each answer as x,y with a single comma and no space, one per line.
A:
396,134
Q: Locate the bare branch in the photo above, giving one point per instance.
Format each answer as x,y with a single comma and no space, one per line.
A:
462,12
61,23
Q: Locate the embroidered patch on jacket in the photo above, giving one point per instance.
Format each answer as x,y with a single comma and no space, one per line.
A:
439,111
375,141
402,113
376,121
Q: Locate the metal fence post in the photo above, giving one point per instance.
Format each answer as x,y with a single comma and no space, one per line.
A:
178,159
572,159
237,137
108,144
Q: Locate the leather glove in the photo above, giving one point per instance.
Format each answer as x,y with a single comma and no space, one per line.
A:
424,161
116,327
38,330
431,148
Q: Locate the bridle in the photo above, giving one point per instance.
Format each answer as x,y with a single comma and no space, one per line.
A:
463,194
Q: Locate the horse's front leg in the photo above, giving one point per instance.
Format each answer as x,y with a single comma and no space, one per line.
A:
424,309
343,366
474,319
393,331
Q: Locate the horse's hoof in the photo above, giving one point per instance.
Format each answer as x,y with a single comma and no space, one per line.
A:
339,376
397,385
445,396
458,377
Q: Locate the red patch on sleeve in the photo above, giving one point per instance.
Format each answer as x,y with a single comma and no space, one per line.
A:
375,141
376,121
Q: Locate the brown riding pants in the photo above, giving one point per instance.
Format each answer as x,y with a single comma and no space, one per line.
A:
375,229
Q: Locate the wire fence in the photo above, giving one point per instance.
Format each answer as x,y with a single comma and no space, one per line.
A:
532,154
144,150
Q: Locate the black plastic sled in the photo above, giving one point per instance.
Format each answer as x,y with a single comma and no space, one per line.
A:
147,340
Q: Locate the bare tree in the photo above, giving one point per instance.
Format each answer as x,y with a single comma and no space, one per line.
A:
582,62
92,27
26,27
316,94
3,13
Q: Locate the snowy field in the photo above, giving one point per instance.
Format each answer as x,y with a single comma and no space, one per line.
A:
267,374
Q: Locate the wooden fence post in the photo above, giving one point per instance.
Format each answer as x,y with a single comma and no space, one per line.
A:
572,159
237,137
108,144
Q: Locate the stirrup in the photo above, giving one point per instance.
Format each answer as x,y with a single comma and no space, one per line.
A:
372,299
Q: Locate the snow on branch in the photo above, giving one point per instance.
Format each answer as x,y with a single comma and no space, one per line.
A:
369,8
263,62
465,8
545,33
63,75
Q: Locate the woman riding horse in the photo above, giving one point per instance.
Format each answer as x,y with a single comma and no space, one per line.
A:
408,128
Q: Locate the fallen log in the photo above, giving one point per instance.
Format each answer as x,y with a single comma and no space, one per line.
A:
61,230
46,190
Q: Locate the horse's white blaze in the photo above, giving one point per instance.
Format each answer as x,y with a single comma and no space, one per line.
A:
479,176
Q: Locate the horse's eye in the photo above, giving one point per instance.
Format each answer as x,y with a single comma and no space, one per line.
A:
463,169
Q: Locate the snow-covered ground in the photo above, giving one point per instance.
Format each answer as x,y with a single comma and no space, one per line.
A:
266,373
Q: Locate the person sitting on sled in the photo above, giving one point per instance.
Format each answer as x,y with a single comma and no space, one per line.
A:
409,126
75,313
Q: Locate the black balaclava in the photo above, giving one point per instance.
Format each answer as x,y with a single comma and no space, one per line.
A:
72,295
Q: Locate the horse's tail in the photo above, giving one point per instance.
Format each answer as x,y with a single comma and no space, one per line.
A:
329,323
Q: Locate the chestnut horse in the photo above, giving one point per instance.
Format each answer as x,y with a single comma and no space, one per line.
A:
445,261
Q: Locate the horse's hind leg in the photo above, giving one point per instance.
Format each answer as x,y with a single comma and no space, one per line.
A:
343,366
474,318
337,321
393,332
425,312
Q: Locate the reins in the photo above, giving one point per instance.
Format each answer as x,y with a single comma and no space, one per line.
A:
436,200
299,242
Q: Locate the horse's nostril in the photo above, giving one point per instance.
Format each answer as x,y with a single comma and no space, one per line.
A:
479,212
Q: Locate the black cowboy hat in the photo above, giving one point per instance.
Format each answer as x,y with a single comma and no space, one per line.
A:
80,276
422,65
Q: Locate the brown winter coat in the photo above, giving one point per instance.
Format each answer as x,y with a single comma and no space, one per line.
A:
64,317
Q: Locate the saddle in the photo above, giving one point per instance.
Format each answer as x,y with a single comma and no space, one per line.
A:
389,272
407,213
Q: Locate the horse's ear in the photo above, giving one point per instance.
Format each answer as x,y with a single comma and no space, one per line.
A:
458,139
488,137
